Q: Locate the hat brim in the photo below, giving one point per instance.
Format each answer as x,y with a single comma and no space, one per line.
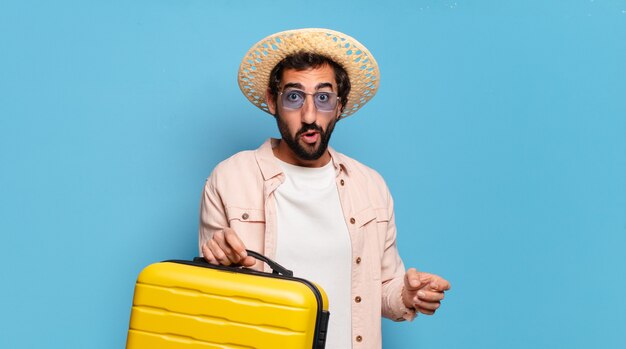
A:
362,69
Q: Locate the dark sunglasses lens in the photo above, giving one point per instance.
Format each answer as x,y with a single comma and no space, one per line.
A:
293,99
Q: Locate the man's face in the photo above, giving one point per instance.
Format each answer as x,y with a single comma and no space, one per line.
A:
307,129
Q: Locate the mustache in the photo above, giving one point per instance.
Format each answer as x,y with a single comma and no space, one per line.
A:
309,127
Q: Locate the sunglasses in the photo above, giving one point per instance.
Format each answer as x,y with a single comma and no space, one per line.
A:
294,100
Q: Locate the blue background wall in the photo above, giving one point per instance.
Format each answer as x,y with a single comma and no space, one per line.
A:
500,127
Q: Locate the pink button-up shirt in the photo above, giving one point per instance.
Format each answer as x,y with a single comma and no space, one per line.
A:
240,194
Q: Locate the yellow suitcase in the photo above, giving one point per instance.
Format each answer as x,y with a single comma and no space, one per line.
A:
196,305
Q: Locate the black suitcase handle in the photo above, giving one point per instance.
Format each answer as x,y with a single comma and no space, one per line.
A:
276,268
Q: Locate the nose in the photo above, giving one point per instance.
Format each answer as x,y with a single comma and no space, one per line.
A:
308,110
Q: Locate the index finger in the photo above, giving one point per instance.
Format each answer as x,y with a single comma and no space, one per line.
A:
234,242
440,285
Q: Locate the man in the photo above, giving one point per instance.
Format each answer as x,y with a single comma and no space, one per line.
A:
296,200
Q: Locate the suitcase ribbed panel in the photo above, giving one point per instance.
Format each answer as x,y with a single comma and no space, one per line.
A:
139,339
182,306
245,310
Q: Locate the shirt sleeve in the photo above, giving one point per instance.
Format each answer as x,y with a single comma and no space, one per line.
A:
212,213
393,274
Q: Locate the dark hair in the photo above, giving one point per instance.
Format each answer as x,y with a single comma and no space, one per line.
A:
305,60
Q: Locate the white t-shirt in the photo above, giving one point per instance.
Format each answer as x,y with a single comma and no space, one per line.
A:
313,241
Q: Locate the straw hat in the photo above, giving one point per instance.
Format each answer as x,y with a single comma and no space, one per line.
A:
358,62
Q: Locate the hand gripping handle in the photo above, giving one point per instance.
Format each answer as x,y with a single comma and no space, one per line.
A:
277,269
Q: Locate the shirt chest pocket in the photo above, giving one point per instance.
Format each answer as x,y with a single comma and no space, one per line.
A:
372,217
245,220
249,225
373,225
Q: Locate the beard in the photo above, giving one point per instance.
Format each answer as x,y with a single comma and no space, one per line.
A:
305,152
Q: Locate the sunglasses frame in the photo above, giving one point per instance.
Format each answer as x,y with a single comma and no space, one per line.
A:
312,95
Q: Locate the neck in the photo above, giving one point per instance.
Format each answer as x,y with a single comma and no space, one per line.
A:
284,153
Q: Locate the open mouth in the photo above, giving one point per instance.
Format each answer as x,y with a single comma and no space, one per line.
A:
310,137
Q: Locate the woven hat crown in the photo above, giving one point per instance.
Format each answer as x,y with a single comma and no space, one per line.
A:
362,69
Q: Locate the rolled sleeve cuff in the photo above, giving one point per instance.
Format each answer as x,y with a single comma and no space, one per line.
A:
397,310
406,314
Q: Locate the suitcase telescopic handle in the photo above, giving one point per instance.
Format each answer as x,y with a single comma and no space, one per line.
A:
276,268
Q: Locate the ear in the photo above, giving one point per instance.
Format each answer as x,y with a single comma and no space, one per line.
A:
339,111
269,100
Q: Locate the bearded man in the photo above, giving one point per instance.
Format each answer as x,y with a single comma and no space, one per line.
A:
307,206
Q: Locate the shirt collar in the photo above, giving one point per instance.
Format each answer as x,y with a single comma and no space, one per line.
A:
270,168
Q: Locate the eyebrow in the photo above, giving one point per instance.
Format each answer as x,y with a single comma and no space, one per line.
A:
298,85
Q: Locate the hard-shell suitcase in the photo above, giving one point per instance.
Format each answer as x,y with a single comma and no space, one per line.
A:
195,305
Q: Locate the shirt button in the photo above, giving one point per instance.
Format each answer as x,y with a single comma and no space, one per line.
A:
359,338
357,299
352,220
358,260
245,216
342,182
